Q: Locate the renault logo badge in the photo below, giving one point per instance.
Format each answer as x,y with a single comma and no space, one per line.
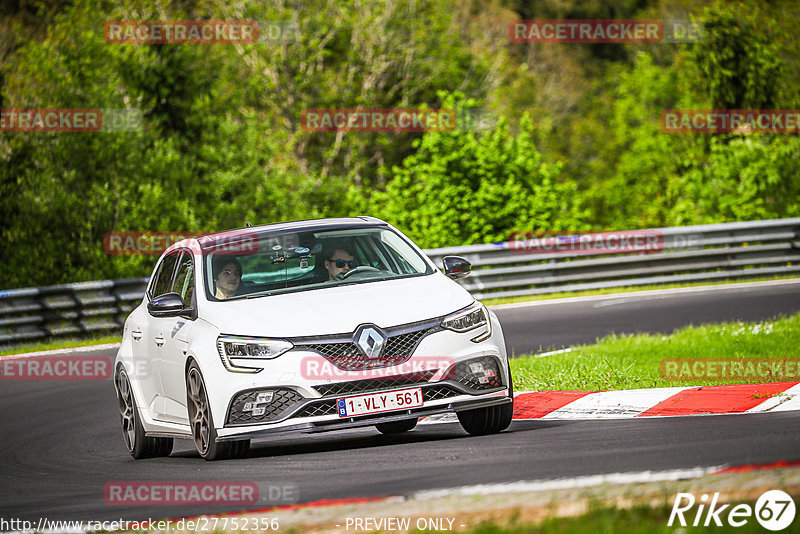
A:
370,340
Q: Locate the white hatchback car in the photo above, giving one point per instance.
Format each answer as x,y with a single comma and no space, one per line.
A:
306,326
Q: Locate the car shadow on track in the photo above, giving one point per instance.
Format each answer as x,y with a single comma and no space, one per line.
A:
366,438
342,441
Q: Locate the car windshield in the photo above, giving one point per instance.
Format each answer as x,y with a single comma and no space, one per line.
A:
302,261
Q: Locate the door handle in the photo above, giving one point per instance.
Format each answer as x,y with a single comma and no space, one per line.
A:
136,334
159,340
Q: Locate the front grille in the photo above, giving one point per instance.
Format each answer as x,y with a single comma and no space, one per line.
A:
404,344
374,384
347,357
340,350
282,403
477,373
439,392
315,409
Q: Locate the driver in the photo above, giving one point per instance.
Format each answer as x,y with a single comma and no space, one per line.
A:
339,259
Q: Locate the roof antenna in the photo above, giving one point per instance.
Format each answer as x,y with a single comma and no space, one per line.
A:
248,224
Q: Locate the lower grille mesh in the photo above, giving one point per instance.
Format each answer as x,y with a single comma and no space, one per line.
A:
374,384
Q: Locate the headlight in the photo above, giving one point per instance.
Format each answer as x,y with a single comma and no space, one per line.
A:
238,350
474,317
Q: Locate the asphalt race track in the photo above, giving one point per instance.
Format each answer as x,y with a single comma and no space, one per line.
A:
60,441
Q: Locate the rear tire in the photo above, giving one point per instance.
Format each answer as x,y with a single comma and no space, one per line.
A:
492,419
240,448
203,431
397,427
138,444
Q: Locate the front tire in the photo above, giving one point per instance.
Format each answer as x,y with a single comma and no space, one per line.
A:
489,420
203,431
492,419
397,427
138,444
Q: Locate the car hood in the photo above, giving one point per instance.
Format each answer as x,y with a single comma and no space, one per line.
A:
339,309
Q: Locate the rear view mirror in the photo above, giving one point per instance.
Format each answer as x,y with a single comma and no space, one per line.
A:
456,267
166,305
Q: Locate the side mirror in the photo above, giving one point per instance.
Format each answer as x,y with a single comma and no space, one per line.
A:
166,305
456,267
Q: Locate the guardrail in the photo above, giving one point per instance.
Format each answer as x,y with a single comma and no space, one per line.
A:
70,310
686,254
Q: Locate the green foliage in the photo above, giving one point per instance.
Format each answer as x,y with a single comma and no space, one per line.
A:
577,144
463,188
194,166
666,179
354,54
750,177
737,58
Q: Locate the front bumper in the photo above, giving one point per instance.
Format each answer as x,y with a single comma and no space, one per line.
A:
467,384
332,424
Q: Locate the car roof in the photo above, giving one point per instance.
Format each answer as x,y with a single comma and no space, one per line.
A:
306,225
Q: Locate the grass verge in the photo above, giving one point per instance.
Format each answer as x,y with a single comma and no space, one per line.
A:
59,344
644,519
627,289
633,361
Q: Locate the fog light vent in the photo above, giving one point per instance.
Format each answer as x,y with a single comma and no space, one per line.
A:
262,406
479,373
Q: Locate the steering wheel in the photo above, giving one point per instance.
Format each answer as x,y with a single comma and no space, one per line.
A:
360,269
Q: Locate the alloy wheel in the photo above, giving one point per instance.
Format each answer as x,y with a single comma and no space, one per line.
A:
198,411
126,410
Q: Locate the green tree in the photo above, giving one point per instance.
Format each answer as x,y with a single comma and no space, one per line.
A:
462,188
357,54
739,65
665,179
200,161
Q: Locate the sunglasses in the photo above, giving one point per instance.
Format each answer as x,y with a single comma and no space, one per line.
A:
341,263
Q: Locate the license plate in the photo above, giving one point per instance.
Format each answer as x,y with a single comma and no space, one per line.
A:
379,402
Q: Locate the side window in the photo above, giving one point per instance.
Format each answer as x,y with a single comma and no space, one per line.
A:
184,279
163,278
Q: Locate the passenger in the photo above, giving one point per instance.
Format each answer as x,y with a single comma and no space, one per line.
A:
339,259
227,274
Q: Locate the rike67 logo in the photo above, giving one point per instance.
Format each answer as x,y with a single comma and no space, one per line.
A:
774,510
